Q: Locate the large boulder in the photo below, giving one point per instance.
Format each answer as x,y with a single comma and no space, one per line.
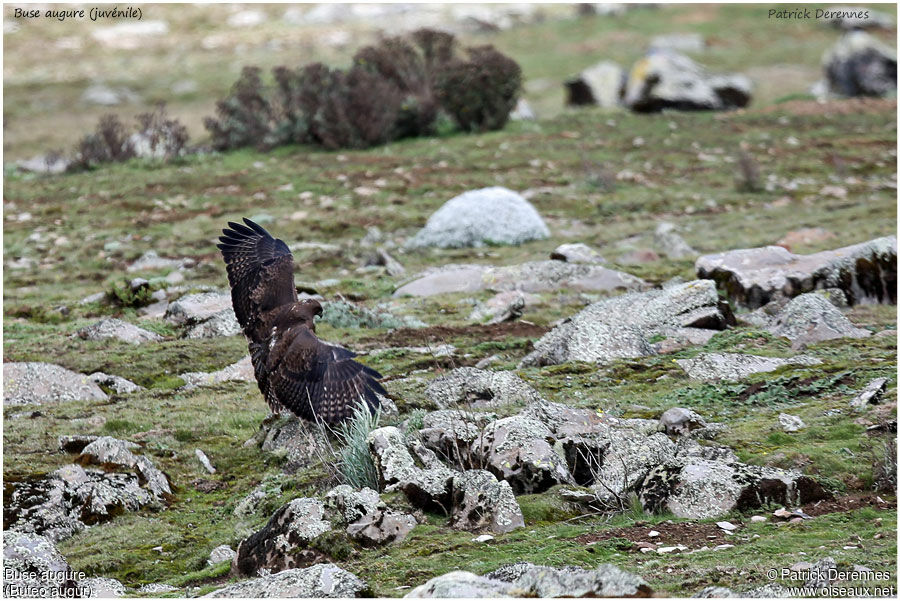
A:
619,327
28,560
117,330
865,272
606,580
602,84
451,434
461,585
493,215
321,581
480,502
811,318
860,65
479,388
700,488
534,276
204,315
713,367
369,521
283,542
34,382
627,457
114,454
667,80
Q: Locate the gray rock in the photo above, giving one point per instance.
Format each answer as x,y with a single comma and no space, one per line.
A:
576,253
97,297
504,306
871,394
857,17
27,556
790,423
112,453
151,261
75,442
665,79
564,421
602,84
606,580
450,433
118,330
37,383
866,272
353,504
487,216
241,371
619,327
279,544
628,457
680,42
479,388
103,587
323,580
702,488
679,421
461,585
223,323
712,367
196,308
116,383
220,554
204,461
821,573
155,588
479,502
49,164
671,244
811,318
383,527
300,442
859,64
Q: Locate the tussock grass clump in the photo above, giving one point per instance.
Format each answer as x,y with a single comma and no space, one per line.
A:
356,467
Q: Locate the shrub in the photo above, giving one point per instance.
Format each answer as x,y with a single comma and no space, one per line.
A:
109,143
356,466
123,294
245,118
158,136
480,93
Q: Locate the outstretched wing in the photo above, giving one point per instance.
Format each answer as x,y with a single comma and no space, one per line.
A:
260,271
318,381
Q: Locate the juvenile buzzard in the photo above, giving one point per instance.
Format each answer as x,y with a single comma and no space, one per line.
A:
294,369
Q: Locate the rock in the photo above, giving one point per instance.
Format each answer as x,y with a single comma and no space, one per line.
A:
576,253
450,434
103,587
668,80
602,84
25,558
112,453
487,216
790,423
626,460
75,443
680,42
220,554
565,421
712,367
391,265
859,64
242,371
535,276
678,421
480,502
103,95
619,327
97,297
810,318
871,394
341,314
204,461
425,487
517,449
483,538
461,585
353,504
205,314
223,323
38,383
479,388
279,544
119,330
155,588
504,306
70,498
866,272
804,236
857,17
522,111
701,488
50,164
669,243
368,520
606,580
117,384
323,580
151,261
727,526
823,572
298,441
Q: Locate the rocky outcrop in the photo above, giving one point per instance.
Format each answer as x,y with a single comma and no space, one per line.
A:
114,454
479,502
487,216
860,65
421,477
811,318
321,581
479,388
36,383
679,421
713,367
865,272
619,327
118,330
369,521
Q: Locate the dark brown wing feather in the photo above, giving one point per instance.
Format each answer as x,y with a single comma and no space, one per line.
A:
319,381
260,271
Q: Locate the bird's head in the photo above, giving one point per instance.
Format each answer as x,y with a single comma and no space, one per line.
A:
306,311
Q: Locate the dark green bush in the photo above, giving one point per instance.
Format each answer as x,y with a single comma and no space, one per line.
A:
245,117
481,92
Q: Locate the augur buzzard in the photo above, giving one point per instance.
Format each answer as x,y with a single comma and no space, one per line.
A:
294,369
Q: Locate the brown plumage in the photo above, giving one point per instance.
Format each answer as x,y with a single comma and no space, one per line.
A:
294,369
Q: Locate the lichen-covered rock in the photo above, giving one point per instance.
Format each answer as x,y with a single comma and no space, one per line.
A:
487,216
461,585
275,546
117,384
353,504
118,330
626,461
479,388
300,442
36,383
220,554
578,252
518,450
790,423
450,433
606,580
859,64
713,367
62,504
671,244
563,420
103,587
421,477
811,318
602,84
703,488
112,453
26,557
503,306
871,394
241,371
866,272
679,421
619,327
368,519
321,581
480,502
204,315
